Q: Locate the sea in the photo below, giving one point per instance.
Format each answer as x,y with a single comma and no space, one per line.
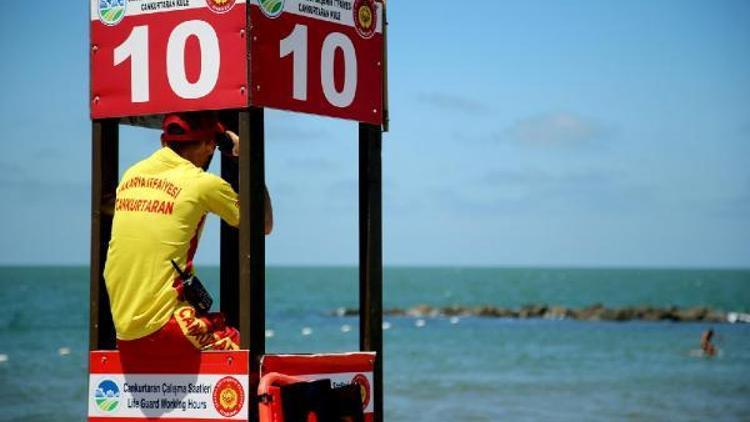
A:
436,369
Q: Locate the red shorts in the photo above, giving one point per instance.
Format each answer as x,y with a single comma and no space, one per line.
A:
185,333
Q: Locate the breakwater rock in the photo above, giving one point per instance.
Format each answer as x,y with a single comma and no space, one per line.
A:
595,312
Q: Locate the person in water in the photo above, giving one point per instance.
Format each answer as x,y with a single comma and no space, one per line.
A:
160,208
707,347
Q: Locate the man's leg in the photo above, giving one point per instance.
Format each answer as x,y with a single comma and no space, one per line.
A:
207,332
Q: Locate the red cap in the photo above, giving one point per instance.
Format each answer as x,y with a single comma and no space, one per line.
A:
176,128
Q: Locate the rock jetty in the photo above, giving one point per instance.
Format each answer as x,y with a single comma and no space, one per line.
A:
597,312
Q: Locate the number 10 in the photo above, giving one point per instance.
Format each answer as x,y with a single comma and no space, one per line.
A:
135,47
296,45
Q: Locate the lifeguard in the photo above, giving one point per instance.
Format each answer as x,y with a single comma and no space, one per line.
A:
160,210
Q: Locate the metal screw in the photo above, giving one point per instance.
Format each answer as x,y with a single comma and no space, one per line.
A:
95,48
255,38
378,64
242,33
242,90
257,87
375,110
96,101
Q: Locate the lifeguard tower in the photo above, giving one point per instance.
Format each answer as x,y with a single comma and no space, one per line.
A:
151,57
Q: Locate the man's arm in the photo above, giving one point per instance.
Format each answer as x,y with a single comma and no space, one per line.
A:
268,221
219,198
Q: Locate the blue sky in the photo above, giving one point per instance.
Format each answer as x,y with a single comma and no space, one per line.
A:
576,133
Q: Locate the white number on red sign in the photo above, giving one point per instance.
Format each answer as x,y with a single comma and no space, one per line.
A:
136,48
210,59
333,42
296,45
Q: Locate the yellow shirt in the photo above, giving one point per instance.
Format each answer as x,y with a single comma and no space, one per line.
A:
161,204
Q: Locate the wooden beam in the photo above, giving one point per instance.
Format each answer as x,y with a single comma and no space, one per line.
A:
104,169
252,247
371,253
229,267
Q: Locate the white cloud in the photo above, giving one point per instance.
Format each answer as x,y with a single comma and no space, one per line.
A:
312,164
293,127
450,102
541,178
554,129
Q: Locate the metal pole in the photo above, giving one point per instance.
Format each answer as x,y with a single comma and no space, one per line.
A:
252,254
371,253
229,267
104,165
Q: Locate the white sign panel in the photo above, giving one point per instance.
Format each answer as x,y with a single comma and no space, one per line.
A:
168,396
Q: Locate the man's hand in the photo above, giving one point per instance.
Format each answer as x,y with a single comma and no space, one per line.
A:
236,141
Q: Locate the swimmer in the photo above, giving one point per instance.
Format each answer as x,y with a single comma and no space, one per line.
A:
707,347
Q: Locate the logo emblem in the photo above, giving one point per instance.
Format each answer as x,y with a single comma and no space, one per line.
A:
271,8
111,12
364,388
365,18
228,397
220,6
107,396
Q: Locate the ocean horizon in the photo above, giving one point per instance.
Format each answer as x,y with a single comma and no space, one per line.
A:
437,368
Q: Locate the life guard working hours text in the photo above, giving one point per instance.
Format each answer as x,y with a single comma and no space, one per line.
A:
165,390
316,9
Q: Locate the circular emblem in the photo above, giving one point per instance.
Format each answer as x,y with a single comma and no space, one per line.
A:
364,388
228,397
365,18
111,12
220,6
271,8
107,396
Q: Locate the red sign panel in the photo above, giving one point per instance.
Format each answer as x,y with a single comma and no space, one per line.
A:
320,57
312,56
341,368
152,57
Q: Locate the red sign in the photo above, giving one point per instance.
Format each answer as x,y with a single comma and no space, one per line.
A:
153,57
340,368
320,57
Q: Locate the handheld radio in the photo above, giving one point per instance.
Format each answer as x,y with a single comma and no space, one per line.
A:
195,294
